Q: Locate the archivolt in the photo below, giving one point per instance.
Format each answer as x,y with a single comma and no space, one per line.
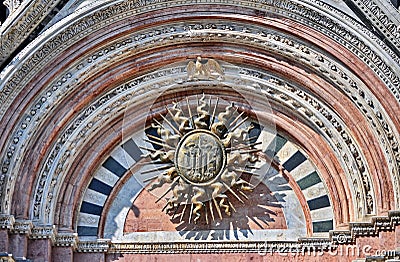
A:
261,43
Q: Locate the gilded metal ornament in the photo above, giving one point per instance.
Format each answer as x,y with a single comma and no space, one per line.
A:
209,159
207,156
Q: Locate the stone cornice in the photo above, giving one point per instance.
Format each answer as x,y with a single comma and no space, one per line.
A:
64,239
366,229
43,232
210,247
23,227
337,237
95,246
7,222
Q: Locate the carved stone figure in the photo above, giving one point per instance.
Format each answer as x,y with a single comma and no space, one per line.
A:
200,70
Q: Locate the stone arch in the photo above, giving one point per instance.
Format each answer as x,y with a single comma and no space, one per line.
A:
335,86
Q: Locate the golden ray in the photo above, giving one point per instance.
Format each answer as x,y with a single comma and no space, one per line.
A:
183,211
244,146
239,124
250,138
233,113
176,209
150,178
250,151
151,162
213,114
233,192
244,171
190,214
205,207
244,182
236,119
243,194
171,125
157,143
148,149
173,118
168,190
190,112
217,207
155,137
233,208
160,139
211,211
183,113
253,167
203,117
156,169
209,104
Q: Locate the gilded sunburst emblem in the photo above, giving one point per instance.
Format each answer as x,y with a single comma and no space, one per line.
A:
206,155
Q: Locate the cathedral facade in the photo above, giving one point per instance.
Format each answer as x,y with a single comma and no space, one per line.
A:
197,130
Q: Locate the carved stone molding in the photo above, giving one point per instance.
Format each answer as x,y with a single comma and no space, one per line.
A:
96,246
320,65
12,5
291,9
43,232
66,79
303,100
23,227
209,247
366,229
6,222
21,22
382,18
64,239
341,237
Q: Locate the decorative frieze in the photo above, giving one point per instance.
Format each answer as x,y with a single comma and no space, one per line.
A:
366,229
12,5
385,21
341,237
7,222
193,247
96,246
43,232
23,21
22,227
64,239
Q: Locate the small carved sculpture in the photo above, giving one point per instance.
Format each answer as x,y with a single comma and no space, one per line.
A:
209,70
